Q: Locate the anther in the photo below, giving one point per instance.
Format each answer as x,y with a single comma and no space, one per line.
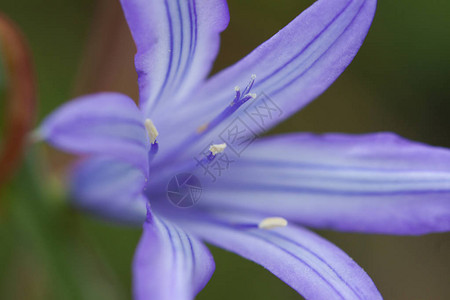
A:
151,130
273,222
217,148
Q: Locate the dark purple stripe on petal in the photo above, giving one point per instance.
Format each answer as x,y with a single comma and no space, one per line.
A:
177,42
302,51
377,183
192,43
299,76
269,233
169,264
169,67
292,68
312,266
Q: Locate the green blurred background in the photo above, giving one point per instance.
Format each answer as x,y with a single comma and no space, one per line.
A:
398,82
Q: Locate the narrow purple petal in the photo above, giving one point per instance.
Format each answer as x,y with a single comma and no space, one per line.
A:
105,123
177,42
292,68
109,189
169,263
309,264
376,183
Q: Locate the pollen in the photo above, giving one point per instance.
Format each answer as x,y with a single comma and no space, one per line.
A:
202,128
151,130
217,148
273,222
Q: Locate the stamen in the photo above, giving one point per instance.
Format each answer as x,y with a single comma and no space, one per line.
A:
273,222
152,134
213,151
267,223
151,130
217,148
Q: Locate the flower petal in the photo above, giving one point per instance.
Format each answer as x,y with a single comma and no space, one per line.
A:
110,189
177,42
377,183
106,123
309,264
169,264
292,68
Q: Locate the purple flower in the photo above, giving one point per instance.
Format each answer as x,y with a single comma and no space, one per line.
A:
186,124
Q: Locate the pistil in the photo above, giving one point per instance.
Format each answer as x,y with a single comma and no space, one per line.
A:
239,99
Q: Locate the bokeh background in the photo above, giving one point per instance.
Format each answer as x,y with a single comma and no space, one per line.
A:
398,82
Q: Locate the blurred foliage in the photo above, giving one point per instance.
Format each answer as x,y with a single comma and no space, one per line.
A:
398,82
2,94
2,75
